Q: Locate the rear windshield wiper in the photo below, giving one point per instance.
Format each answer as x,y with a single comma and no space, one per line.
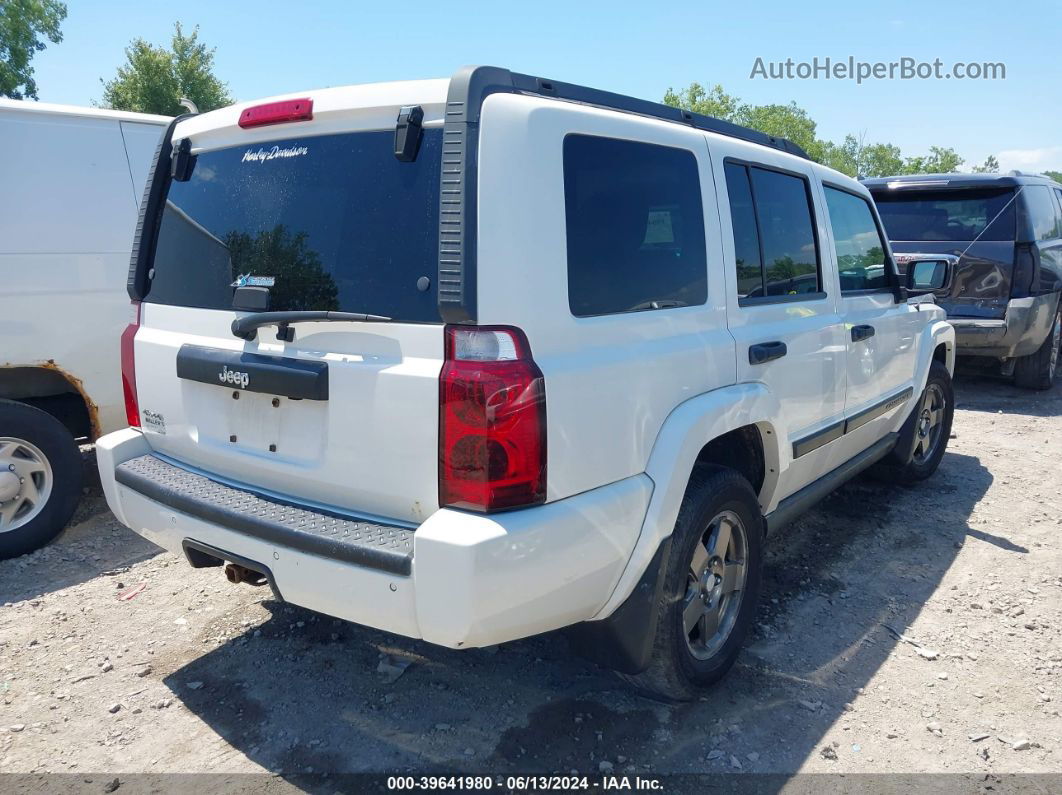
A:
246,327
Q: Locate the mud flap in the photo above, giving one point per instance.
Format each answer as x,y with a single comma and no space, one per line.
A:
624,640
905,442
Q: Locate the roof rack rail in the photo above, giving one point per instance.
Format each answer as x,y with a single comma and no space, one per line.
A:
485,80
528,84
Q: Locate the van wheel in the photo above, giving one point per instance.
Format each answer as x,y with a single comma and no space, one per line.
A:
924,436
40,478
1037,370
711,586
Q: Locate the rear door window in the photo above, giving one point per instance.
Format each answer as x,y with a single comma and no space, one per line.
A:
635,226
746,232
774,233
947,216
335,221
857,242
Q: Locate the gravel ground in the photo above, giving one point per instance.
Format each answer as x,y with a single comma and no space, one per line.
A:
116,657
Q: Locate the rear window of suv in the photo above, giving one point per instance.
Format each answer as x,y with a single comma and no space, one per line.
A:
336,221
635,227
950,216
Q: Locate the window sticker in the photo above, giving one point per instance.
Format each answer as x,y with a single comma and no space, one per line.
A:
247,280
153,421
658,228
262,155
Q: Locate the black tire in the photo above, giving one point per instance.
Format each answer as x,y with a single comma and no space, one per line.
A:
57,446
1037,370
674,672
911,460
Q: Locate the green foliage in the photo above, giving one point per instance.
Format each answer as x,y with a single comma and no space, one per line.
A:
990,166
857,158
783,121
154,79
23,23
1055,175
712,102
853,156
940,160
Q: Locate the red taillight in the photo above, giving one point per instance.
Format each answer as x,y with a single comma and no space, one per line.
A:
492,421
132,407
277,112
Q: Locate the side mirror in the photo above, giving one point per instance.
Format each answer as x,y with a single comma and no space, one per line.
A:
929,274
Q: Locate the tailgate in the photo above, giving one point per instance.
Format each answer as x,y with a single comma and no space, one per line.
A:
324,218
982,283
368,444
975,224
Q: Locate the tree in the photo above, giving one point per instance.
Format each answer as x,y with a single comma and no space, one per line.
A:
853,156
940,160
23,23
1055,175
154,79
783,121
990,166
713,102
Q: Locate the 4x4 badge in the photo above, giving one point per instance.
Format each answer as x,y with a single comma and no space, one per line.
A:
247,280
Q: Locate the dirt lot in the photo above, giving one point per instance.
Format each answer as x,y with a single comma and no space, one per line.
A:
116,657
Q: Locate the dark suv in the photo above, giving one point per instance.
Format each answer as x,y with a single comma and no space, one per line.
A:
1007,232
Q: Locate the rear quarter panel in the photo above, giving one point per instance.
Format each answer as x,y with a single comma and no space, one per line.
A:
611,381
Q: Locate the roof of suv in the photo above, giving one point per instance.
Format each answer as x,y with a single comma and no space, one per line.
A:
953,181
460,97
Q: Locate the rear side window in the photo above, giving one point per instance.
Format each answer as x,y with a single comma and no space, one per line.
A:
859,247
947,216
774,233
1043,212
635,227
335,221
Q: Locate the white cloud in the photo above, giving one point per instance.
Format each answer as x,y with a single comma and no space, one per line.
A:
1034,160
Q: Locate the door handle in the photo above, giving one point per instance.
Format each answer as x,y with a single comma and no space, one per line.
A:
766,352
860,333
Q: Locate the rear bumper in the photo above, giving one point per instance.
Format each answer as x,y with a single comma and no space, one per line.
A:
473,580
1023,329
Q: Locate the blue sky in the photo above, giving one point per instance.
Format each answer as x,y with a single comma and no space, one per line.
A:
266,48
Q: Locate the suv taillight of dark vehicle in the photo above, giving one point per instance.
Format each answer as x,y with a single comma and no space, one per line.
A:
492,421
1025,280
132,406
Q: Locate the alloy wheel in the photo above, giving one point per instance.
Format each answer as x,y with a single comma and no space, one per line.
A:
930,423
715,584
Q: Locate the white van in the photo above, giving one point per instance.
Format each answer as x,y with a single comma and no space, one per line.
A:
71,187
479,358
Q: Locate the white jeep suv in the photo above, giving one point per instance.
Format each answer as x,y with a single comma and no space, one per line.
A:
473,359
